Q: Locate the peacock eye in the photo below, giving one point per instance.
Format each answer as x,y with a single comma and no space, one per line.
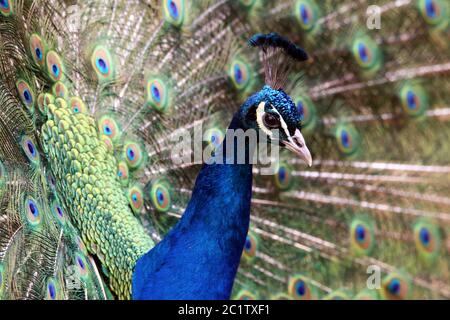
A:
271,121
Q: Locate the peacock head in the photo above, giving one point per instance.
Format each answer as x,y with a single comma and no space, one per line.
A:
274,113
272,110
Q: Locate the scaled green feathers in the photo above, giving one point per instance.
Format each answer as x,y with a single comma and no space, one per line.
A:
85,172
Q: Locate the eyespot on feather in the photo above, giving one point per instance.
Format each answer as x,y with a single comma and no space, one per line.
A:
60,90
427,239
26,94
6,7
239,74
77,105
174,12
158,94
32,212
396,286
362,236
250,247
160,196
308,112
434,12
136,198
300,288
414,99
123,173
134,154
55,66
307,14
283,178
37,49
30,150
103,64
82,265
367,54
52,289
348,139
58,212
108,126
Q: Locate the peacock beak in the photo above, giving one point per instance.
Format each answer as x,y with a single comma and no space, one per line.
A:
297,144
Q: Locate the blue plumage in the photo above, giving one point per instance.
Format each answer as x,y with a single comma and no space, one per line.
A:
199,258
279,99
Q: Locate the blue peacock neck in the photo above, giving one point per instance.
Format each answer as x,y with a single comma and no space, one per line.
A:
204,249
219,211
222,193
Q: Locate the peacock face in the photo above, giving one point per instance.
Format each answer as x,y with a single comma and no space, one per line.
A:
274,113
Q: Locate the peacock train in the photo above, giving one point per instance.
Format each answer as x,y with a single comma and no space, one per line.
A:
119,180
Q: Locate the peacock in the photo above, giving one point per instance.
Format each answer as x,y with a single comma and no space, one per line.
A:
114,173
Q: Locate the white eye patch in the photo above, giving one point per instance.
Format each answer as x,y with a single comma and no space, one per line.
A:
260,111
